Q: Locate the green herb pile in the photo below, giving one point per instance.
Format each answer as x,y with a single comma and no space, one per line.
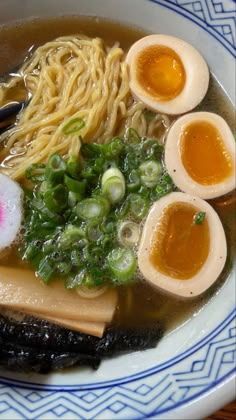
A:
82,216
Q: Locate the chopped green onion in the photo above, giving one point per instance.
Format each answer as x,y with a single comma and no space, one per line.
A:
97,277
151,149
132,136
91,150
138,206
45,186
81,209
123,210
131,160
164,187
114,148
45,270
74,281
106,242
93,254
70,235
75,258
35,172
113,185
114,190
94,233
89,279
150,172
74,185
92,208
128,233
162,190
63,267
48,246
56,198
108,227
87,173
40,207
74,125
73,198
73,167
134,181
55,169
167,179
199,217
122,263
99,164
82,243
31,251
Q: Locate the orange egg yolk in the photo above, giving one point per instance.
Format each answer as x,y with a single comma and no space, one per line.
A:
179,246
160,72
204,154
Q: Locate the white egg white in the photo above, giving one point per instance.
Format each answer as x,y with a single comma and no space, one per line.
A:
213,265
196,69
174,164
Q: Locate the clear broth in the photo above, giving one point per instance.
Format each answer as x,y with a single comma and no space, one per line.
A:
155,305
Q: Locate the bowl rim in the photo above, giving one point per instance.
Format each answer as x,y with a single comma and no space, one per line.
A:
214,391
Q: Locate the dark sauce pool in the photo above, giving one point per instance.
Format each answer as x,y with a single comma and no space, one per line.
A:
139,304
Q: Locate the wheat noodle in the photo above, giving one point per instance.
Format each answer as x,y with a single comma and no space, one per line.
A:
71,77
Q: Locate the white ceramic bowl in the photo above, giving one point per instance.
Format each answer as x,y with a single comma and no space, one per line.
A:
192,371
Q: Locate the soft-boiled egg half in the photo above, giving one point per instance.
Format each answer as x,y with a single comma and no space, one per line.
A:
200,155
183,246
167,74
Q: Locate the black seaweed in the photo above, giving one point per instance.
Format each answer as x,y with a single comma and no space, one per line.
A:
29,359
33,345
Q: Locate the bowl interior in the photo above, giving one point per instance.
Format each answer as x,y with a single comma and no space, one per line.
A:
176,351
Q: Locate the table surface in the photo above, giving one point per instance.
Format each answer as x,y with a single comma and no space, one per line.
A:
226,413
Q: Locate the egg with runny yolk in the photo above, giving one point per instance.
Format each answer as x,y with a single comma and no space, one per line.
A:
183,245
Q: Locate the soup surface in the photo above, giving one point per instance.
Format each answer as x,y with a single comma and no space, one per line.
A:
155,305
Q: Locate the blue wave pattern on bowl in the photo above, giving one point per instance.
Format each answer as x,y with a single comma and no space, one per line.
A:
164,387
161,390
216,17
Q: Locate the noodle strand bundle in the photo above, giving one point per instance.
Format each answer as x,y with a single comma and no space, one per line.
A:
71,77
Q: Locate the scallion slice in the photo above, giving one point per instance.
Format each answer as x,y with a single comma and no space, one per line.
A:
122,263
45,186
73,167
56,198
94,232
74,185
138,206
73,198
35,172
150,173
199,217
92,208
70,235
113,185
134,181
151,149
55,169
74,125
40,207
74,281
45,270
114,148
128,233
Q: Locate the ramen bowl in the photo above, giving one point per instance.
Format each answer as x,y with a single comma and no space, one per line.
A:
191,373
